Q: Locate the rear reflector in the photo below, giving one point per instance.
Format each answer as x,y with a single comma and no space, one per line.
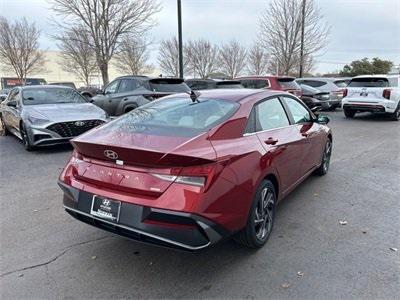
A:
345,91
386,93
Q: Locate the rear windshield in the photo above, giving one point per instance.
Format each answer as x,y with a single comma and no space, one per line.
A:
176,117
228,85
369,82
51,96
175,86
288,84
341,83
254,83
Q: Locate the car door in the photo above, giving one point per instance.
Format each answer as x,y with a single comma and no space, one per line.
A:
125,90
110,94
281,141
309,131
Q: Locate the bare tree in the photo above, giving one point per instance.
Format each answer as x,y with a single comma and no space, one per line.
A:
19,48
232,59
133,56
257,60
168,57
107,22
77,56
281,33
201,57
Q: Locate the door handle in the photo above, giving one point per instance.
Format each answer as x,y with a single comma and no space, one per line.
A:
271,141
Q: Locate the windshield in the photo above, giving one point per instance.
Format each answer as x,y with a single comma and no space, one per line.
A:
34,96
369,82
176,117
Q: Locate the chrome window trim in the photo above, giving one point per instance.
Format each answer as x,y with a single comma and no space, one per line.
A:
139,231
266,130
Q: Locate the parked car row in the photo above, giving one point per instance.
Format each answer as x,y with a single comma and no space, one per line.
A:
194,167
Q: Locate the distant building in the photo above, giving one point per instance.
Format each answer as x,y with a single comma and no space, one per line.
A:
54,73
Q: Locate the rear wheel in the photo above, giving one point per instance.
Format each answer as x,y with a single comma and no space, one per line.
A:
25,138
396,115
261,217
326,159
349,113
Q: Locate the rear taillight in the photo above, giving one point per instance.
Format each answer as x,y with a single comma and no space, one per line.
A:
345,91
201,176
386,93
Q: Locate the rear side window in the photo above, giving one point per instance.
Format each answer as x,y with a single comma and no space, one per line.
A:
288,84
369,82
128,85
270,114
176,117
255,83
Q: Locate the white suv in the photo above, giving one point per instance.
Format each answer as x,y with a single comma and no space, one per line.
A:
373,93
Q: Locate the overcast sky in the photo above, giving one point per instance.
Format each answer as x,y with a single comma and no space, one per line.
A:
360,28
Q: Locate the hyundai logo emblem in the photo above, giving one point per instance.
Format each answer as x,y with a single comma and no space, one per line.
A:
106,202
79,123
110,154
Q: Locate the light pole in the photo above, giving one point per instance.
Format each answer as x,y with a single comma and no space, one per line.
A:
303,13
180,46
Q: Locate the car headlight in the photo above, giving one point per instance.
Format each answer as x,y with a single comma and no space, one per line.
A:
37,120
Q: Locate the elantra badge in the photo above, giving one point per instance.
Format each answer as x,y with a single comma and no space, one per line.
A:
110,154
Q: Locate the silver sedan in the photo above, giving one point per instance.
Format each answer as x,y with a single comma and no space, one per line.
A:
47,115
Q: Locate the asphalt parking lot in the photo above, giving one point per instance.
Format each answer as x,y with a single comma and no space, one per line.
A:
47,254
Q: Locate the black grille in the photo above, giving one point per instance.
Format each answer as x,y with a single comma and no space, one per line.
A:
71,129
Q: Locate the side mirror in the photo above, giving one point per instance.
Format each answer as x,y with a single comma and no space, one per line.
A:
106,92
2,98
322,119
12,104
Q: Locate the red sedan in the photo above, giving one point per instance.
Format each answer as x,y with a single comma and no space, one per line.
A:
187,171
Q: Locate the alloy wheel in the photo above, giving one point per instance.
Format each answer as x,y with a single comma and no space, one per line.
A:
327,155
264,214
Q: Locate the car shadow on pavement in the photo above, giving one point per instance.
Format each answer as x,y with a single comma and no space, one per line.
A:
366,116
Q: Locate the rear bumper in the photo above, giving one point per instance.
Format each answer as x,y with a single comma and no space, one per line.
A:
160,227
365,107
378,105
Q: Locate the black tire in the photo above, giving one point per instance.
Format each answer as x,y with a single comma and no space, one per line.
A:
25,138
396,115
349,113
325,160
3,125
259,226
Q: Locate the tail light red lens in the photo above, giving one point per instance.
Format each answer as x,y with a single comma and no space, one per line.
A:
345,91
201,176
386,93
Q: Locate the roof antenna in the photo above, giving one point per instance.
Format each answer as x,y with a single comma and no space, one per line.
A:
194,95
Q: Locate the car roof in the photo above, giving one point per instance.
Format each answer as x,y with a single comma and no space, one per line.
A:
263,77
377,76
40,86
234,95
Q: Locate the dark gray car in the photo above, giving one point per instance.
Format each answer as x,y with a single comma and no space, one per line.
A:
333,86
48,115
129,92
